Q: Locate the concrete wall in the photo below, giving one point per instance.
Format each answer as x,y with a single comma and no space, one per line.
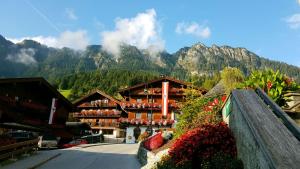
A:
248,149
262,140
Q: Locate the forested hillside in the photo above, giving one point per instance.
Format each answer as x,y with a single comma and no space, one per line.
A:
94,67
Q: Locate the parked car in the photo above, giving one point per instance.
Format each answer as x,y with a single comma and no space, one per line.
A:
75,143
93,138
48,141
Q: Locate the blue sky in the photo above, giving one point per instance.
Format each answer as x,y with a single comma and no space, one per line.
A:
268,28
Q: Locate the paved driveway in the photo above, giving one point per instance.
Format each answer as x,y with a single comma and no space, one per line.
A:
112,156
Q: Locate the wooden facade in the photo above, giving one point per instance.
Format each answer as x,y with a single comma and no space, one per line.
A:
144,102
101,111
30,102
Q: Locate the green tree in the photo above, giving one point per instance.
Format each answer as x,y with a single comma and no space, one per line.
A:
231,78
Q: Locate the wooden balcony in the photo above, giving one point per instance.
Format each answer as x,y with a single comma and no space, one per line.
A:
147,106
158,91
96,104
99,124
91,115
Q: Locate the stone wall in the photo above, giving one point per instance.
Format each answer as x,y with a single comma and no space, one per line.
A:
147,158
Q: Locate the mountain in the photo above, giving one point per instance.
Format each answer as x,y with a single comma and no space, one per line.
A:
30,58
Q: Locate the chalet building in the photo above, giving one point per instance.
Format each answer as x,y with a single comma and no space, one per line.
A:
33,104
102,112
152,105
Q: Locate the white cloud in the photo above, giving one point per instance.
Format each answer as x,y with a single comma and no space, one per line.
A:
71,14
193,28
299,2
293,21
49,41
142,31
24,56
77,40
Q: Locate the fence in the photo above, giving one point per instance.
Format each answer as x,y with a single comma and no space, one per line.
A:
17,148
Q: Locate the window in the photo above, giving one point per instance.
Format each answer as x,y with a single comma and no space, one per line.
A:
151,100
149,115
138,115
105,102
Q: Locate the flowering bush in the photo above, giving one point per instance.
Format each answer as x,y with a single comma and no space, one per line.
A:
167,163
203,143
198,112
154,142
143,136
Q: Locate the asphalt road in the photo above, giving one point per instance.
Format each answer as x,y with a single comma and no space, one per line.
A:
113,156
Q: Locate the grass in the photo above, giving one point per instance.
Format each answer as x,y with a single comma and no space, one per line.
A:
65,93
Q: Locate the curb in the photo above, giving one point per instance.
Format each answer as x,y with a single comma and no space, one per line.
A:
45,161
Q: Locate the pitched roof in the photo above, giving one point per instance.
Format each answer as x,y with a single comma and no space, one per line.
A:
157,80
42,81
93,93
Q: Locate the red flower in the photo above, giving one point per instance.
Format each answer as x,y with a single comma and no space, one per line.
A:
269,85
216,101
223,98
288,81
202,143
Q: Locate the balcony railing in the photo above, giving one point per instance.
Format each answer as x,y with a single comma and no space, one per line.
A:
158,91
95,115
97,104
160,122
98,113
27,104
153,106
105,124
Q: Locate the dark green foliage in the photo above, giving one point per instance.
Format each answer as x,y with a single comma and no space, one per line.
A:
204,62
109,81
222,161
275,84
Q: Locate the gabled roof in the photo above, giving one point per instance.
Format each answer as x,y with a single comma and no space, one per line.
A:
93,93
157,80
38,80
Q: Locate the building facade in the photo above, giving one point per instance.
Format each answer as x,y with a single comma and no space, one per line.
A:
152,105
102,112
33,104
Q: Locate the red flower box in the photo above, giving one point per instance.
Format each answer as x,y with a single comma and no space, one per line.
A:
154,142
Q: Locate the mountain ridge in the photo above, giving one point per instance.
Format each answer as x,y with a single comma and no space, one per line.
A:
30,58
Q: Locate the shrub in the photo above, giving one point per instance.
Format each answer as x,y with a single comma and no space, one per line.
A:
154,142
273,83
222,161
201,144
199,111
231,78
143,136
167,163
